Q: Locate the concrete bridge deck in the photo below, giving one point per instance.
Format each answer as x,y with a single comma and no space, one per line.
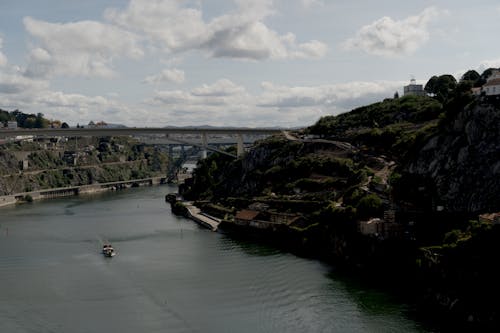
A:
134,131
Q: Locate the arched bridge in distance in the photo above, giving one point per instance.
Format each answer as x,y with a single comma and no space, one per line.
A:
179,135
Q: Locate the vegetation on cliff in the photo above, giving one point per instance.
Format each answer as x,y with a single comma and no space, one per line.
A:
29,166
429,163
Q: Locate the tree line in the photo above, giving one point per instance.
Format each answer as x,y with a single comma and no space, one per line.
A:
25,120
442,87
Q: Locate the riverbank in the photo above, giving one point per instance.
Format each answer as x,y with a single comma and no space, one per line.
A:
189,210
169,271
396,266
51,193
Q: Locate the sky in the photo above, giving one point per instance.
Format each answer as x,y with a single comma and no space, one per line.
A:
259,63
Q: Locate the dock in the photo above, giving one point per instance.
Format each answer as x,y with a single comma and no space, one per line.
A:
201,218
52,193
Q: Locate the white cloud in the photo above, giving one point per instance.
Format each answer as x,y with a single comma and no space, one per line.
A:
241,33
3,58
32,95
89,48
225,102
221,93
491,63
78,108
166,21
335,97
387,37
12,83
312,49
85,48
222,102
222,87
71,108
166,75
311,3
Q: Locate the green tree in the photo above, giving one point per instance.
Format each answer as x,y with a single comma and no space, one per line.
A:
430,86
441,87
40,121
370,206
470,75
29,122
484,76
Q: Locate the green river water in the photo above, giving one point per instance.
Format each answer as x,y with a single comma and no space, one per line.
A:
170,275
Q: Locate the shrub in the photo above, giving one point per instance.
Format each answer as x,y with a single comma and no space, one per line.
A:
370,205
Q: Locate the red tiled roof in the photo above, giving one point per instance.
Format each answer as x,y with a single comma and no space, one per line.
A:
494,82
247,214
490,216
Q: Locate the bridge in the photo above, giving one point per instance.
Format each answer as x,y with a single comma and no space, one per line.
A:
171,134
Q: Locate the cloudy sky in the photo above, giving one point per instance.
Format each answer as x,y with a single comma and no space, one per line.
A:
231,62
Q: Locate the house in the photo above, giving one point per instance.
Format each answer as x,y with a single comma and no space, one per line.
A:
414,89
245,216
476,91
282,217
266,220
492,85
493,218
259,206
380,228
99,124
370,227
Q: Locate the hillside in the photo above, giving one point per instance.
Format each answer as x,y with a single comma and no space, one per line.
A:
424,166
29,166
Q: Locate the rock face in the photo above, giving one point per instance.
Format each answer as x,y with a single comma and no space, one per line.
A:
32,166
460,165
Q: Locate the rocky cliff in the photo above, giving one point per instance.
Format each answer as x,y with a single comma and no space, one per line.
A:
428,166
459,166
29,166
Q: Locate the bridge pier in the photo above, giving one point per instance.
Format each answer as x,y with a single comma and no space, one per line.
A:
240,148
204,144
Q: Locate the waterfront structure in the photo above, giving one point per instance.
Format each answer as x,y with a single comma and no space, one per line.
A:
370,227
380,228
493,218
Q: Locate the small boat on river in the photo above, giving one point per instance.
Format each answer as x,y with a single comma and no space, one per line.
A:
108,250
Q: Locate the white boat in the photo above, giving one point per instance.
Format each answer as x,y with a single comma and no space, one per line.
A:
108,250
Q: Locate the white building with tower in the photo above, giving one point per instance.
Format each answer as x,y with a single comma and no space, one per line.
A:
414,89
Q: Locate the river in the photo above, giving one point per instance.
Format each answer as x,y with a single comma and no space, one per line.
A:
170,275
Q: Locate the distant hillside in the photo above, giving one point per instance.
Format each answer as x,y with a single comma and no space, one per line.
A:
48,163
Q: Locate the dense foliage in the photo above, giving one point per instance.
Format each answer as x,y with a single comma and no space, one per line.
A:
77,161
23,120
433,160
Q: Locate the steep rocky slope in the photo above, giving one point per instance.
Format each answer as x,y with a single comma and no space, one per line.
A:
459,167
29,166
432,166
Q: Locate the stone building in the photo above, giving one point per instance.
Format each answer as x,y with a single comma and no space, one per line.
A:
414,89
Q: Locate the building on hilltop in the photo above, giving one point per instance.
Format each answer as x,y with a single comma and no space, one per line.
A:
492,85
99,124
414,89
